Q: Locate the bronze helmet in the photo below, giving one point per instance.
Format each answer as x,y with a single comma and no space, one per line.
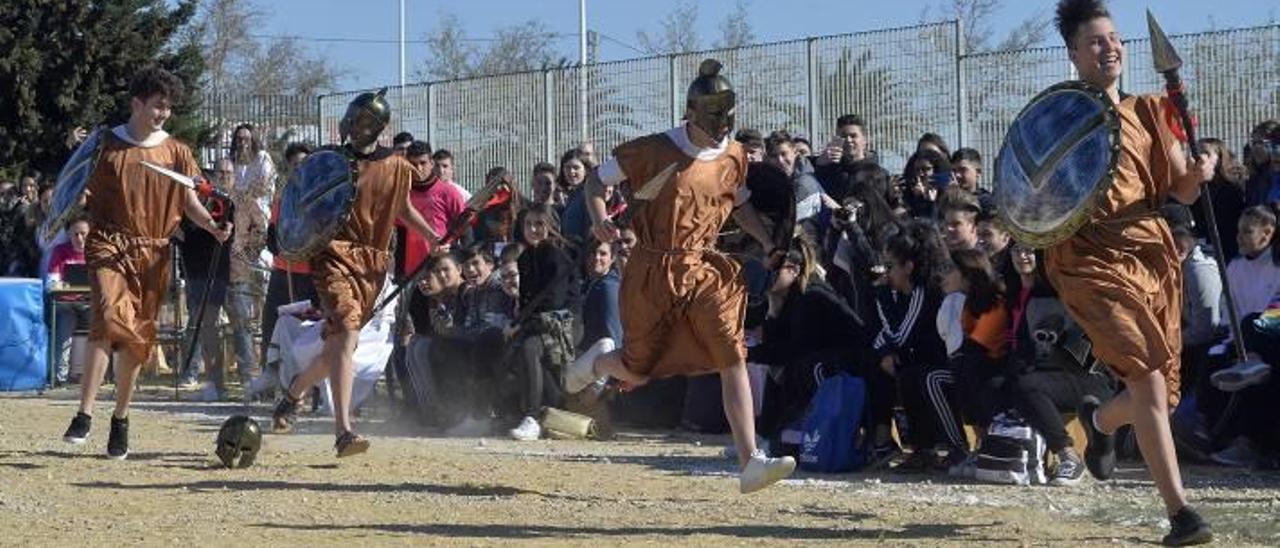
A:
711,101
239,441
367,115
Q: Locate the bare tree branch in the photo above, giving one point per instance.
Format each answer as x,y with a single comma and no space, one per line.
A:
735,29
678,32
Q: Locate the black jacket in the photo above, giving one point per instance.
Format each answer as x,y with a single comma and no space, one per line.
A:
545,267
908,327
813,326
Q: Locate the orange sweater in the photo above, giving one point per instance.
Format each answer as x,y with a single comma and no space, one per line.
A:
989,330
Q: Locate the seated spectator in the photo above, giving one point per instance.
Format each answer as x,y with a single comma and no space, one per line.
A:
1263,185
1258,442
809,196
970,387
966,163
600,313
855,243
441,390
960,220
752,143
907,344
1050,362
73,311
573,172
804,149
808,333
1226,190
485,306
543,335
1255,275
497,224
993,239
1201,312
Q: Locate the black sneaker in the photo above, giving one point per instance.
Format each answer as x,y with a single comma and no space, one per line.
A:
1069,471
118,441
79,429
1187,528
1100,453
918,462
285,415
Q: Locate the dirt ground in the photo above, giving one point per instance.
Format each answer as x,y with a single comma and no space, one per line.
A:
644,488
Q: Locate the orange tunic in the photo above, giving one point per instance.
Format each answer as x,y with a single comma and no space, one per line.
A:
349,272
682,303
1119,275
132,212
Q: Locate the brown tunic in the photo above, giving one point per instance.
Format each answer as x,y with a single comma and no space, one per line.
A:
682,303
349,272
132,212
1119,276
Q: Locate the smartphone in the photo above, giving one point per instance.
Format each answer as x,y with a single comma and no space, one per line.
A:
941,179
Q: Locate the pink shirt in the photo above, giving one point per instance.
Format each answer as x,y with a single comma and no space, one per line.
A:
439,204
63,255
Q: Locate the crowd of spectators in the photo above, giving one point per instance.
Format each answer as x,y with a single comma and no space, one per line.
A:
905,280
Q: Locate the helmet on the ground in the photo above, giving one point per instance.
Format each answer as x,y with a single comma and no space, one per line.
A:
239,441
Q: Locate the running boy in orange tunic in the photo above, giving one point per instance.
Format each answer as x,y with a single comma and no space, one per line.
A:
682,301
1119,275
133,211
348,273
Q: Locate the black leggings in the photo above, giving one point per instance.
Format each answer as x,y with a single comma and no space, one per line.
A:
1041,395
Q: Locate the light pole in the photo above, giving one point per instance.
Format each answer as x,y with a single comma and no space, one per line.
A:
582,67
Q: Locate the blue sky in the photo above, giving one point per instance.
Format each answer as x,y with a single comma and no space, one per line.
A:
371,64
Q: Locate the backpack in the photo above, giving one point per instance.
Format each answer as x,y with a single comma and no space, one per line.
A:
1012,452
829,430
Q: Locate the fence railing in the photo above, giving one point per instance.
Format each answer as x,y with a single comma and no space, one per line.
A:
903,82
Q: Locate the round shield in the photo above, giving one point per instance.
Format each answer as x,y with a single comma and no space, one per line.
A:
73,180
1058,157
315,204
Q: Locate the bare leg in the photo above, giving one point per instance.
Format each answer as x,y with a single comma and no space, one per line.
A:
126,375
611,365
735,390
338,348
309,377
1145,405
94,371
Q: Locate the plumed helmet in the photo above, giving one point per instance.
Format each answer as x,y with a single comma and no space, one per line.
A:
239,441
711,100
367,115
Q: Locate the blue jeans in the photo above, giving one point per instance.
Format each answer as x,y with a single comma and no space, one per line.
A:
241,300
206,353
70,317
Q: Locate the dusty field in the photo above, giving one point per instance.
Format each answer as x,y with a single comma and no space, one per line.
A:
646,488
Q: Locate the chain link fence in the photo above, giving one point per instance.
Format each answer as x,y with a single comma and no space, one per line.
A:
278,119
903,82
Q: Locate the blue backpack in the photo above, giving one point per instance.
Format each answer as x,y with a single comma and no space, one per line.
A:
829,430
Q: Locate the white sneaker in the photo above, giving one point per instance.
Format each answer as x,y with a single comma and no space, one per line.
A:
731,451
582,372
762,471
528,430
468,428
208,394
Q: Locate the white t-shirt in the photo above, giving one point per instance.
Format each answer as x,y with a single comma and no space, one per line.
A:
1253,282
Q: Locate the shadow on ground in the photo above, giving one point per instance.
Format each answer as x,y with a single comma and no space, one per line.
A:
922,531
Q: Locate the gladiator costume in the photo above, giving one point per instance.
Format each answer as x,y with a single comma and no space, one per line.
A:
132,213
682,302
349,271
1118,275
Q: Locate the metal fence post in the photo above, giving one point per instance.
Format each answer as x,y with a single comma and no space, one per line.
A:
675,91
548,112
962,107
811,51
431,119
320,120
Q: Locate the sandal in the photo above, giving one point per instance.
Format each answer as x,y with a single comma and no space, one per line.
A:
350,443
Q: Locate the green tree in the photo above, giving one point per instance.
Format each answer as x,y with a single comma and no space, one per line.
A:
68,63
